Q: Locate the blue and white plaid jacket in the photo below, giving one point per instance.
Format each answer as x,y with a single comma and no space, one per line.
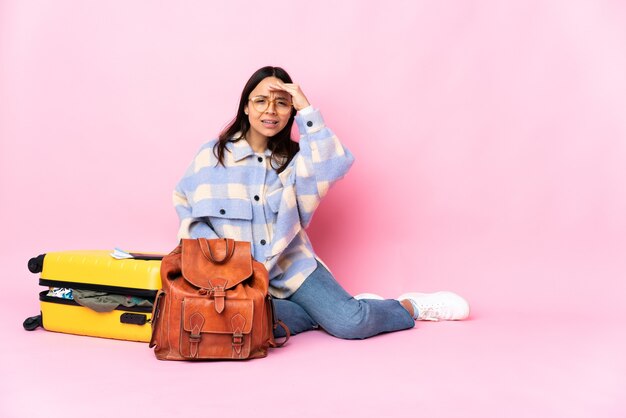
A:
248,201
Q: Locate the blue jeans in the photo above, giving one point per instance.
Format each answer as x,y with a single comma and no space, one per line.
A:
322,302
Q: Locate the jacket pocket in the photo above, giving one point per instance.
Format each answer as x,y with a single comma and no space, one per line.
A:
273,199
227,218
223,208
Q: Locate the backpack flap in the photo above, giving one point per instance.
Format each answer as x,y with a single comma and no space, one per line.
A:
208,334
217,263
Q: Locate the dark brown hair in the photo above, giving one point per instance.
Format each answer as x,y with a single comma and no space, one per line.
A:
281,145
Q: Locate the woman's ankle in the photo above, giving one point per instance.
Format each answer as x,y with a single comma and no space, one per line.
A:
406,304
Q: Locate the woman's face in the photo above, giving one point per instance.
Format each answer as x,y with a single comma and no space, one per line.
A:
274,118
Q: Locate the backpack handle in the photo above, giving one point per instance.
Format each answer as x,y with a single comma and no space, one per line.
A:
208,254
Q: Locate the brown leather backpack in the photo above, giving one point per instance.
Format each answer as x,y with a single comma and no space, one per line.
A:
213,304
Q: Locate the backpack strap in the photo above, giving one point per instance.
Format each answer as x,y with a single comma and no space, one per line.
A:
278,322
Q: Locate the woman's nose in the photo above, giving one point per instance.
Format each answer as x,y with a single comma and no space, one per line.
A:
271,107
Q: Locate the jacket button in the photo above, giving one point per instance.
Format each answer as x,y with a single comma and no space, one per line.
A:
309,124
263,242
256,197
260,159
222,212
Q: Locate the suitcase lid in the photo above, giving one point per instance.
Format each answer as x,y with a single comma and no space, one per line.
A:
98,268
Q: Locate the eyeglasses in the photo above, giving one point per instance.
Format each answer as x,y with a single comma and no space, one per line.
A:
262,103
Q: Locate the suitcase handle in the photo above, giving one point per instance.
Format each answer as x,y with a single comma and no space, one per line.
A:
133,318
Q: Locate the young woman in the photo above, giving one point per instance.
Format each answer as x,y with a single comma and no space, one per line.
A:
255,184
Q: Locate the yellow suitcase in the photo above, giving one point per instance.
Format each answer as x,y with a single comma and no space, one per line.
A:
98,271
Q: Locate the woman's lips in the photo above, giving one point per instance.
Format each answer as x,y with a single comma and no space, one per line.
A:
268,123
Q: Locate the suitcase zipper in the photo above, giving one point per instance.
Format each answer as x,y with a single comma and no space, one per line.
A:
142,293
51,299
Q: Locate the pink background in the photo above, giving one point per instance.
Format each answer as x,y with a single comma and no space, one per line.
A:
490,140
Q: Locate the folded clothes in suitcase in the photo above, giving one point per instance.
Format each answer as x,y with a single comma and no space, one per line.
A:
134,280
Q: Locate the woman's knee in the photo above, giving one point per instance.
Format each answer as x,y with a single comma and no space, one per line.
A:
352,324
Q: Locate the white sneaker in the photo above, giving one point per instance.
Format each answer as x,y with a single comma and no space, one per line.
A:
368,296
438,306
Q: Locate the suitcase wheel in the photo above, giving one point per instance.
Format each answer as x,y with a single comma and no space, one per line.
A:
32,323
35,264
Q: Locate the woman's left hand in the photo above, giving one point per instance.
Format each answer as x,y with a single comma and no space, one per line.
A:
297,96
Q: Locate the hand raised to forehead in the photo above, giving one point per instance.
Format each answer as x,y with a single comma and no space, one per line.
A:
297,96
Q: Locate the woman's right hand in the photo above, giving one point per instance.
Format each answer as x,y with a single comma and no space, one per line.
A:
298,98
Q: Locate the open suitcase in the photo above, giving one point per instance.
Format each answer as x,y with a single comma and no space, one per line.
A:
137,277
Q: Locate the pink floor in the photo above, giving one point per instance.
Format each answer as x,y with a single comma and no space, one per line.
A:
555,360
490,144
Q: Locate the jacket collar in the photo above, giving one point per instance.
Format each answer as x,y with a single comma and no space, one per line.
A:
241,149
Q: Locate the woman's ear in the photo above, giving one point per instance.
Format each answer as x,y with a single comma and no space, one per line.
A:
245,109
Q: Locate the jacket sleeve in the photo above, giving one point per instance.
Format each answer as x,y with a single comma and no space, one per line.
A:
190,226
321,162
